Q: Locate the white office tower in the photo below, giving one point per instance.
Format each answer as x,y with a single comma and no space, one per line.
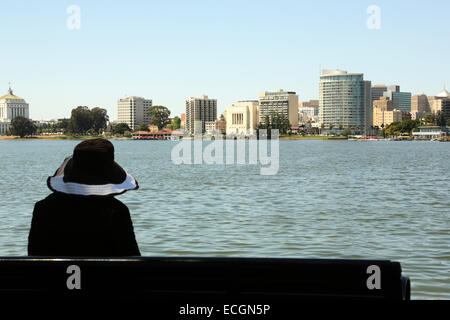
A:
133,111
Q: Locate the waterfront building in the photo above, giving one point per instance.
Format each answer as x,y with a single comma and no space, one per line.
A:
345,100
242,118
279,101
431,132
133,111
419,106
200,110
377,91
163,134
401,100
11,106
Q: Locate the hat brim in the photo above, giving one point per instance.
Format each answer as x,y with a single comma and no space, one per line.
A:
56,183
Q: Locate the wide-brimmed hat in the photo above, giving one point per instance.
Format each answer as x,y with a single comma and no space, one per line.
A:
92,171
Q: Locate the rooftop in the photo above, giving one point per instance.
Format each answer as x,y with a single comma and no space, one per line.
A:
10,95
443,94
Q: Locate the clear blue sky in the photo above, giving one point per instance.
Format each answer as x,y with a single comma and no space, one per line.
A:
230,50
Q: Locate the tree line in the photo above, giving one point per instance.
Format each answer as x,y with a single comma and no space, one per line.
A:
83,121
274,121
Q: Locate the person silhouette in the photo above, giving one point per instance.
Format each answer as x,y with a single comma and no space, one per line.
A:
82,217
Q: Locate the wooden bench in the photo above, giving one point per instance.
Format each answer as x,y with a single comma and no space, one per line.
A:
200,278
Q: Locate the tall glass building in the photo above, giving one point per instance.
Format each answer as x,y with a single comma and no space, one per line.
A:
401,100
345,101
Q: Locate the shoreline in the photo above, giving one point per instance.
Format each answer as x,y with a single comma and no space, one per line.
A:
81,138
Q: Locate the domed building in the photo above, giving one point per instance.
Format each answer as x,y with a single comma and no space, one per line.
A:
444,94
436,102
11,106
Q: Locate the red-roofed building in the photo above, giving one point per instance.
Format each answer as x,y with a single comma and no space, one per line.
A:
163,134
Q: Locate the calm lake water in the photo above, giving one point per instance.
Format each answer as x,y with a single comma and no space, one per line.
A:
330,199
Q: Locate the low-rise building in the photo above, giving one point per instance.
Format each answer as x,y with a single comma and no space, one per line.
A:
221,124
210,126
431,132
242,118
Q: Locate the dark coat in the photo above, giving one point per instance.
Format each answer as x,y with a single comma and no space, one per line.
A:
67,225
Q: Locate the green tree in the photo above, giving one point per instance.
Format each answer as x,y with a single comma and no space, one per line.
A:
142,127
274,121
99,119
81,120
61,125
159,116
121,128
405,126
440,119
347,132
21,126
175,124
448,122
429,118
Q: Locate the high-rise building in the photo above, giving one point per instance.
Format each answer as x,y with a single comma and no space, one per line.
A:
384,104
200,110
308,111
279,101
242,118
435,102
133,111
377,91
446,109
345,100
11,106
419,106
401,100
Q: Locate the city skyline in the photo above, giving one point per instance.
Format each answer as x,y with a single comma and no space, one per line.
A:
180,111
170,51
